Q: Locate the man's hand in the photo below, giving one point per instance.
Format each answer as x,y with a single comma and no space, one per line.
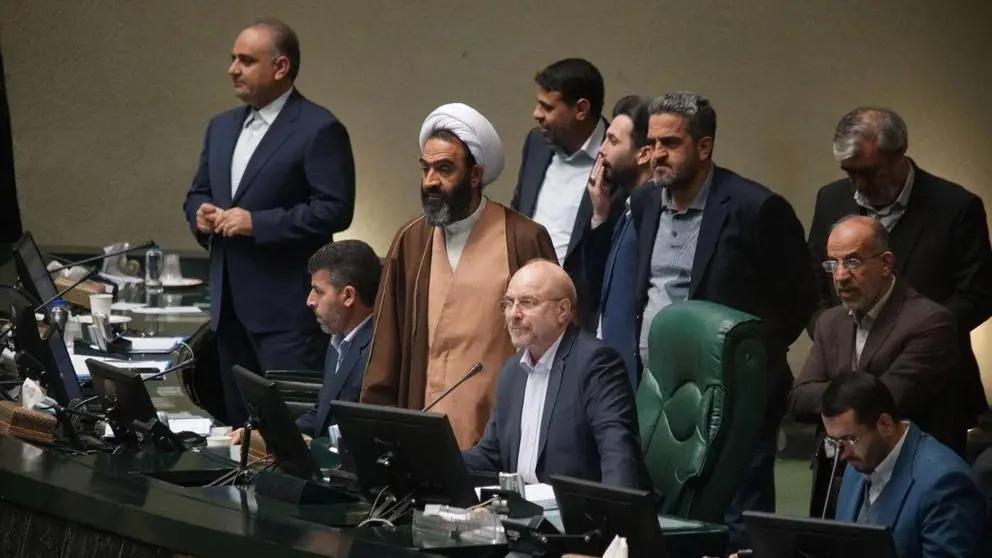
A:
233,222
598,194
206,215
236,436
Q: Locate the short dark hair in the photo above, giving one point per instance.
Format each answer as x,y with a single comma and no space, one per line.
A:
861,392
349,262
695,108
574,78
284,41
635,108
448,135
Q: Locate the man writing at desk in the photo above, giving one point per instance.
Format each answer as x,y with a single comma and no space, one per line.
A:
563,402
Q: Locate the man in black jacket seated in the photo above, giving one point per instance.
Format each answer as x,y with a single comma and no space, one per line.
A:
563,402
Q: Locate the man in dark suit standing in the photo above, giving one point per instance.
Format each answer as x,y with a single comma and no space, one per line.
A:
275,180
624,164
558,156
563,402
937,231
706,233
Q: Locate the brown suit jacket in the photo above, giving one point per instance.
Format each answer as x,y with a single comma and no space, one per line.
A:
397,371
912,347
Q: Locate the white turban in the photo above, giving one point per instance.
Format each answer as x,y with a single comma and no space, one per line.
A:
473,129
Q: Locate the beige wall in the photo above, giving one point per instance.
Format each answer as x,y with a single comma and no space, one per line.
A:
109,100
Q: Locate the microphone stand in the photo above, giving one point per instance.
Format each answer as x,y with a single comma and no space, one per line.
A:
475,369
100,257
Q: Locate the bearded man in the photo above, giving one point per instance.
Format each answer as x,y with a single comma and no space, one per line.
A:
437,310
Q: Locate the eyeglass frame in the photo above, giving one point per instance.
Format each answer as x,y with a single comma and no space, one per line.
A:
843,443
830,266
507,303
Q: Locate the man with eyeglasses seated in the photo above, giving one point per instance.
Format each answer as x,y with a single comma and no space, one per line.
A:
897,475
882,327
564,404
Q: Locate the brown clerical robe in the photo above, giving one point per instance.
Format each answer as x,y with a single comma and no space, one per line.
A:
464,305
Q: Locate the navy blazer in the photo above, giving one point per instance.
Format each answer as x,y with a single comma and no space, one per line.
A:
616,290
300,189
751,255
930,504
950,263
589,425
343,385
535,160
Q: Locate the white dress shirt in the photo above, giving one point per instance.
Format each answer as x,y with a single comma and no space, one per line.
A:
878,478
456,234
532,411
252,131
562,190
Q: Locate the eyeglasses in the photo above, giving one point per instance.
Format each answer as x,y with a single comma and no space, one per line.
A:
844,443
850,264
526,303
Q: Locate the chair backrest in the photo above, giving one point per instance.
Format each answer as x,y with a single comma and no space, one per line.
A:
300,389
700,405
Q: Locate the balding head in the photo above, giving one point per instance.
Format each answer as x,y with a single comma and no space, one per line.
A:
858,253
539,304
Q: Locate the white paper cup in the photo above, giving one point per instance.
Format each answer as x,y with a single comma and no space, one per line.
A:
100,304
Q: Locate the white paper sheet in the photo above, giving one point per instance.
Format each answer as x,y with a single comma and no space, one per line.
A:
83,373
153,344
167,310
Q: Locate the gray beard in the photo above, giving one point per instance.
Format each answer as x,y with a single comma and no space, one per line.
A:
437,212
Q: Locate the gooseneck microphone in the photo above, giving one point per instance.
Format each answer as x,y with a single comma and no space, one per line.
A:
102,257
475,369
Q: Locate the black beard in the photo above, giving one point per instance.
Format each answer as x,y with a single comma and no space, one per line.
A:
442,209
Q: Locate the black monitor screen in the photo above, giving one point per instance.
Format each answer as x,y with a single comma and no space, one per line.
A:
412,452
31,269
121,389
775,535
603,512
276,425
60,379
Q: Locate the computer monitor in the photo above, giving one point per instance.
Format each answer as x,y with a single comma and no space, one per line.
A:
602,512
776,535
31,269
411,452
123,390
276,425
59,380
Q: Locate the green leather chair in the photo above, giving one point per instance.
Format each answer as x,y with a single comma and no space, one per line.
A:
700,405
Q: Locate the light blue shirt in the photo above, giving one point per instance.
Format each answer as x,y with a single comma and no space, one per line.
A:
342,343
672,256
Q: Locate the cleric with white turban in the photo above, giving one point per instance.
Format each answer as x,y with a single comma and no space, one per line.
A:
474,130
437,312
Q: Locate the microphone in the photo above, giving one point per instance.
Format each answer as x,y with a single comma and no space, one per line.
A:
180,366
476,368
830,485
101,257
